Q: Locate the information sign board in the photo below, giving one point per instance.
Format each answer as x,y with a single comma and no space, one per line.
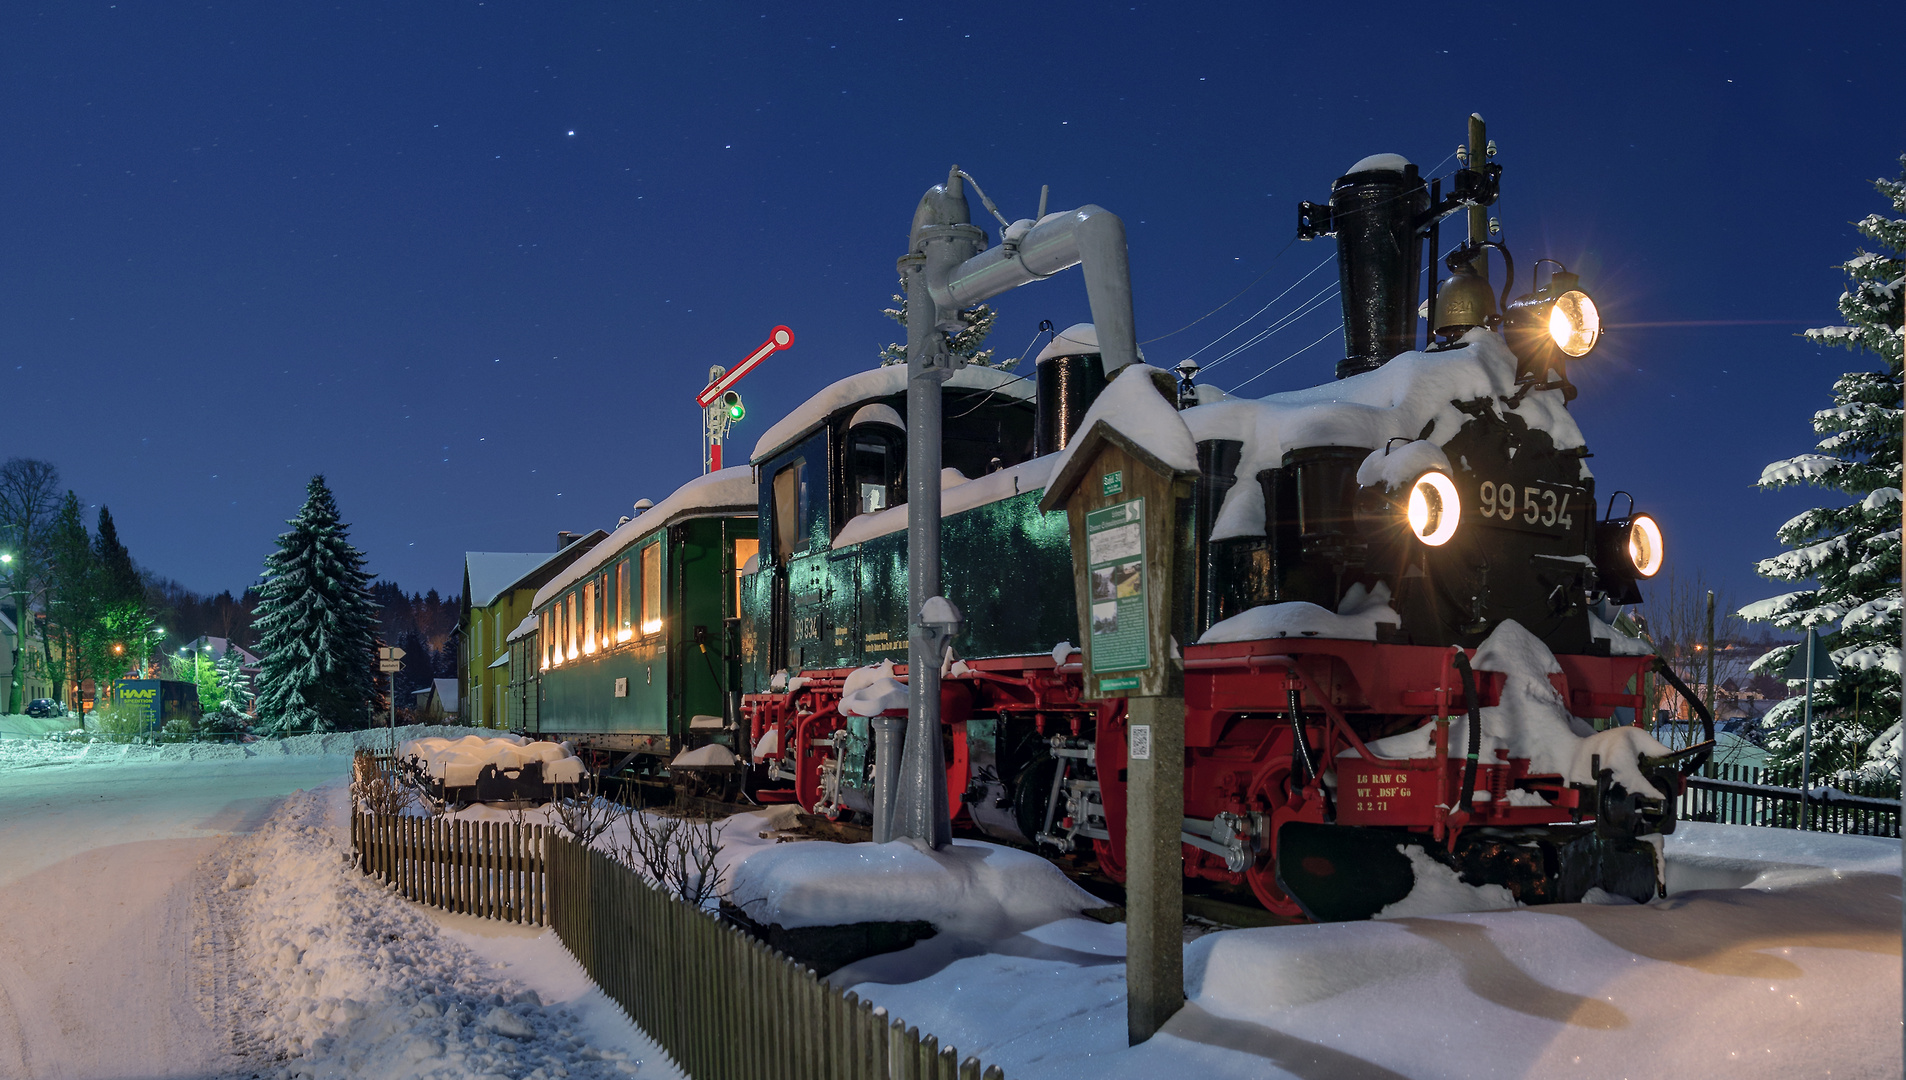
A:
1115,561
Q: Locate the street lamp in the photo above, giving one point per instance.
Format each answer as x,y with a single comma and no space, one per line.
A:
16,687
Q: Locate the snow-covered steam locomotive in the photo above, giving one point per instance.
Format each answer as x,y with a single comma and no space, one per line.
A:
1396,618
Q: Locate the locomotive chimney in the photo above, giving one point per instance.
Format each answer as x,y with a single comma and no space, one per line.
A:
1374,212
1071,373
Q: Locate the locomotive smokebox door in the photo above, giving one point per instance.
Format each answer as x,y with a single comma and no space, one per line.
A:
1131,543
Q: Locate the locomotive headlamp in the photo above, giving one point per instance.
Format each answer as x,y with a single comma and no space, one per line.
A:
1433,508
1574,324
1627,550
1644,545
1559,315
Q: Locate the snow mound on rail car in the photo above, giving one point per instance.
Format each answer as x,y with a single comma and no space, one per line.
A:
1532,721
970,888
1412,397
458,762
872,690
1355,619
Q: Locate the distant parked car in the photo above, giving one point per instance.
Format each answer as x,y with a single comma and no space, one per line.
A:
44,707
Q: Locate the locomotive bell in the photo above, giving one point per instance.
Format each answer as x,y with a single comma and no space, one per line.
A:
1465,300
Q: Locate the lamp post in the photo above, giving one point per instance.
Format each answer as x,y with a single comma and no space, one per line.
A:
15,688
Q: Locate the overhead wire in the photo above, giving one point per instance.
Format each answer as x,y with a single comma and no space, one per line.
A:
1326,261
1317,299
1293,356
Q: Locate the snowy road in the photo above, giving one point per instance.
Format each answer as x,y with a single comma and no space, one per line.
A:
195,919
97,867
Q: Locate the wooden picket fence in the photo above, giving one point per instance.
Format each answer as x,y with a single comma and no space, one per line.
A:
491,869
1746,795
723,1005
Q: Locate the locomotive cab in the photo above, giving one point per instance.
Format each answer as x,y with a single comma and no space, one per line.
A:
841,457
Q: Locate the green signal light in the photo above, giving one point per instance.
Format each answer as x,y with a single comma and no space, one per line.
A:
735,409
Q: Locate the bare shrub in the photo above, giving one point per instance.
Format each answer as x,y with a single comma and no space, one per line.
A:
676,854
583,812
376,790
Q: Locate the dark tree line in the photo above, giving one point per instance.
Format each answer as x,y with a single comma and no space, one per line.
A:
421,625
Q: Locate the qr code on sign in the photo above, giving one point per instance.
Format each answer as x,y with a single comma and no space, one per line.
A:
1141,743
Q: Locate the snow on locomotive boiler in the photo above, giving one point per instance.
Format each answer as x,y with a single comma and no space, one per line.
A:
1397,629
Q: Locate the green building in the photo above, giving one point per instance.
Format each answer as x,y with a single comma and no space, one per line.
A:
498,587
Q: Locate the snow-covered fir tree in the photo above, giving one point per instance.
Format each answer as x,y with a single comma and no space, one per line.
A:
317,626
1851,552
978,323
233,684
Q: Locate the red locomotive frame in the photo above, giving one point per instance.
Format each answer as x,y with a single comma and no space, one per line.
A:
1241,765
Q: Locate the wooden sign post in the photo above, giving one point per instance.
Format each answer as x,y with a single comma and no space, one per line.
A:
1129,517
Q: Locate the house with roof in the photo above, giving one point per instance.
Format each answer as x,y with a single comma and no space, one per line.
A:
35,682
498,587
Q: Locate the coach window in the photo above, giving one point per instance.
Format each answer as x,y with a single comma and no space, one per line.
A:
545,637
876,460
652,588
589,616
746,550
624,600
569,625
790,509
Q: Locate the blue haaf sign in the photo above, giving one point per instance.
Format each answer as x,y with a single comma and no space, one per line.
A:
160,700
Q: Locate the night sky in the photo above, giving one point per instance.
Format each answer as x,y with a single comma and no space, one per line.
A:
472,260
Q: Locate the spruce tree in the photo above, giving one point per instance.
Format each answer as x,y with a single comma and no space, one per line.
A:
1851,552
977,323
317,625
235,690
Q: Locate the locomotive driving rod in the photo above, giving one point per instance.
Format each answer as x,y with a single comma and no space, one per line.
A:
945,271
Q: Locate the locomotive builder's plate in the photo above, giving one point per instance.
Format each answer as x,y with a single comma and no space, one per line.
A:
1530,505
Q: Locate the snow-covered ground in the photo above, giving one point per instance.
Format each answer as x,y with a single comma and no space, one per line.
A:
172,917
1777,954
185,911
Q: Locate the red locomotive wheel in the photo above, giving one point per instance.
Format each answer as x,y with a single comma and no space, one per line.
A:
1269,794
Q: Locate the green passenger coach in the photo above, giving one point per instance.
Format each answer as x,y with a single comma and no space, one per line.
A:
631,648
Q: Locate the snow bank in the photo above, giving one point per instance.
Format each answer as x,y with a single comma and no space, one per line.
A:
1440,890
1410,397
872,690
26,754
345,979
1355,619
971,888
458,762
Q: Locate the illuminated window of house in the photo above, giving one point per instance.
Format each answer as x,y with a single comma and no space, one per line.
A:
652,588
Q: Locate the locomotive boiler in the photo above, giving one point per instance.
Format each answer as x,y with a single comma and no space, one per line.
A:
1398,624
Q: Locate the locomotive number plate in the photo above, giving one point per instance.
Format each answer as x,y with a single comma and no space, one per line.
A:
1543,508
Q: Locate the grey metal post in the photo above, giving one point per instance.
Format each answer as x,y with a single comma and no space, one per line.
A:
889,736
1710,665
942,238
1806,732
1154,868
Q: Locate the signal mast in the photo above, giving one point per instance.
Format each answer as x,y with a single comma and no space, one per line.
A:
721,405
